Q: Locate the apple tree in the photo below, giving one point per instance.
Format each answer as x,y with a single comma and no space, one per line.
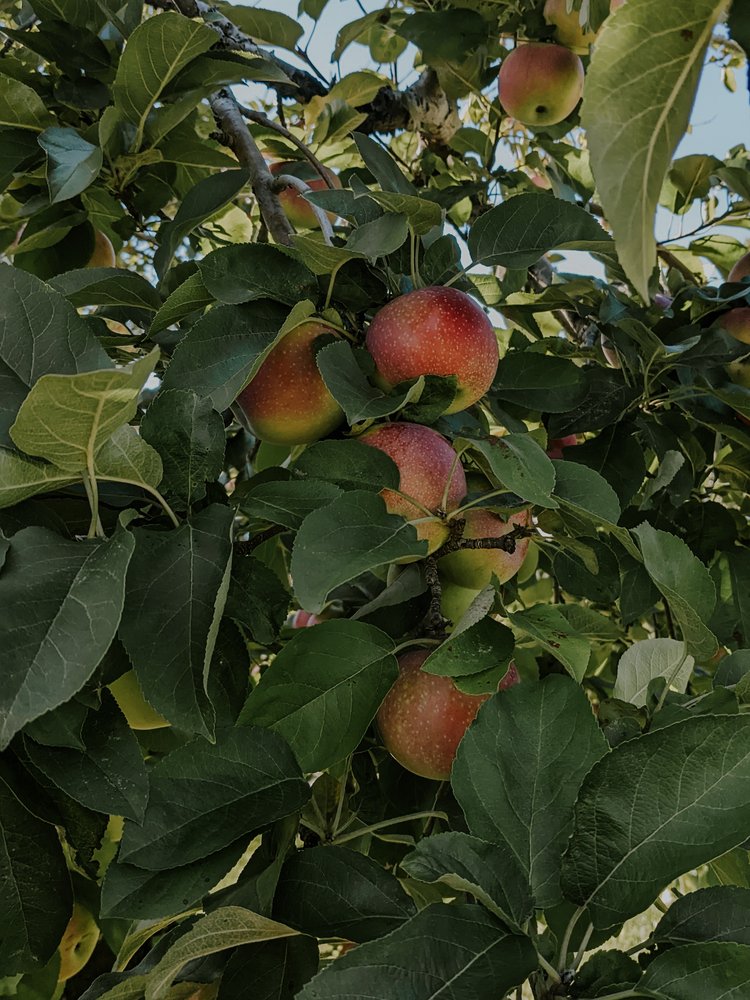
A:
374,575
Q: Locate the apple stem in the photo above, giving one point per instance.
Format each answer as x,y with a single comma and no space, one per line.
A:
567,936
92,493
549,968
416,277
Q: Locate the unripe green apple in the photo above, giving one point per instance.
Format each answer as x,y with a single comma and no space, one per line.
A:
104,253
287,402
135,708
454,600
474,568
424,717
540,84
741,269
296,207
567,24
427,464
78,942
435,331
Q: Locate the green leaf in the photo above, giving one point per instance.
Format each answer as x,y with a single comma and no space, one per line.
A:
191,296
39,332
155,53
351,535
349,464
108,775
481,646
61,602
168,627
349,386
719,913
225,928
539,382
257,599
285,502
21,107
248,271
457,951
654,808
637,101
335,892
382,166
323,690
518,771
423,215
381,236
107,286
711,971
517,233
516,462
685,583
264,26
584,492
67,418
39,900
466,864
126,458
188,434
228,790
553,632
22,477
321,258
648,659
271,970
72,163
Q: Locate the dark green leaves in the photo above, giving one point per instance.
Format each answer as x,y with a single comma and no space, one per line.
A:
335,892
518,770
457,951
348,384
323,690
654,808
719,913
711,971
349,464
61,603
249,271
518,463
204,797
539,381
72,163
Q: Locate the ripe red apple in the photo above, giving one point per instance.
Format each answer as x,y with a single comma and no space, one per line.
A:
304,619
540,84
287,401
424,717
103,254
135,708
427,464
474,568
78,942
555,446
741,269
435,331
296,207
567,24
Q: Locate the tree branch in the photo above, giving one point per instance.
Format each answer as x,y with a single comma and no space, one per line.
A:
260,119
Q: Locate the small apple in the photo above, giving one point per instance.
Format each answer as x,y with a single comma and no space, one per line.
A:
555,446
424,717
435,331
103,254
741,269
540,84
454,600
135,708
427,464
474,568
287,402
78,942
567,24
296,207
737,323
304,619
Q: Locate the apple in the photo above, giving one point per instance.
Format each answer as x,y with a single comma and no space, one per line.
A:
296,207
555,446
610,352
427,463
104,253
287,402
435,331
737,323
424,717
567,24
78,942
741,269
304,619
455,600
476,567
540,84
135,708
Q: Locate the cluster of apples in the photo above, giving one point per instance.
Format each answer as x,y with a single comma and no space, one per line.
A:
539,83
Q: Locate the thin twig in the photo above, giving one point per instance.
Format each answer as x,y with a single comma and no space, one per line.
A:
673,261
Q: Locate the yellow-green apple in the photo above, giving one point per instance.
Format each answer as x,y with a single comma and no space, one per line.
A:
567,25
78,942
424,717
435,331
103,254
287,402
741,269
135,708
430,473
555,446
454,600
474,568
296,207
540,84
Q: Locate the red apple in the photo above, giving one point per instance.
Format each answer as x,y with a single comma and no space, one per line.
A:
296,207
555,446
78,942
476,567
304,619
540,84
435,331
741,269
287,401
427,464
567,24
424,717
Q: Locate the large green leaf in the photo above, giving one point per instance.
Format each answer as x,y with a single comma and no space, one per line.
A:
648,659
539,381
22,477
107,286
553,632
72,162
285,502
654,808
271,970
349,386
323,690
719,913
711,971
637,100
248,271
61,604
518,771
516,462
21,106
227,790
